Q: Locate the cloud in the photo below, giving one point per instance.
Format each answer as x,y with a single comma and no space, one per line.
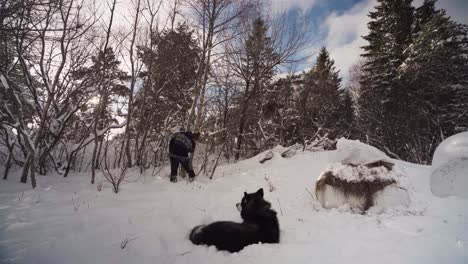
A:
285,5
345,32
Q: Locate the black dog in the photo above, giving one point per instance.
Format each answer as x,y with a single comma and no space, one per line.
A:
260,225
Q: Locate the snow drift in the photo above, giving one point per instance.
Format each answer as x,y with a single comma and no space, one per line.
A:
450,167
66,220
452,148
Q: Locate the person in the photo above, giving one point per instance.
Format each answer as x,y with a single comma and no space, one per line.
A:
181,144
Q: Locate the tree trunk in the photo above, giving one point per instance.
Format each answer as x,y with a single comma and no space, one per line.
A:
106,148
142,150
132,88
68,167
82,159
200,81
8,164
93,161
24,173
121,153
240,138
29,169
203,84
98,157
242,121
32,172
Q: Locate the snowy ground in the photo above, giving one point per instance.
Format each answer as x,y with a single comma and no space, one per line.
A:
69,221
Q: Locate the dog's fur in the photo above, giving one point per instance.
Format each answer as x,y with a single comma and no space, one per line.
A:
260,225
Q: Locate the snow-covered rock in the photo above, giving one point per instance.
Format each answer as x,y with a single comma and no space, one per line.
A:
450,167
268,156
362,177
354,152
450,149
360,187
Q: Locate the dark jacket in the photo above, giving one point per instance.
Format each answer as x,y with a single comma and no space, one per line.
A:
182,143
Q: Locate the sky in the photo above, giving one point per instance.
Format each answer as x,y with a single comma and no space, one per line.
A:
337,24
340,24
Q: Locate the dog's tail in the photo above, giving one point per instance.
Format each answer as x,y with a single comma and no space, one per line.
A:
196,234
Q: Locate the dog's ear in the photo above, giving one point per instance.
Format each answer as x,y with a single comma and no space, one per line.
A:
260,192
245,194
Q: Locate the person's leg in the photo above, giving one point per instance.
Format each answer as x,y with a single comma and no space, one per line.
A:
174,167
187,165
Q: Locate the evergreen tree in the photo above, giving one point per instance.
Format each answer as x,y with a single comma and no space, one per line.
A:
171,67
383,98
280,111
320,98
413,88
165,97
436,71
109,79
346,119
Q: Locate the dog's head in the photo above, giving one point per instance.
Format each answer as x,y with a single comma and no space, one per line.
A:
250,198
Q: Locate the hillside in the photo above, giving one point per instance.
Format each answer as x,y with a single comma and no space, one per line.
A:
66,220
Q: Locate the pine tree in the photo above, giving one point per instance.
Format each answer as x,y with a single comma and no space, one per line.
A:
436,71
413,88
280,111
104,72
170,64
108,80
169,76
320,98
383,98
346,119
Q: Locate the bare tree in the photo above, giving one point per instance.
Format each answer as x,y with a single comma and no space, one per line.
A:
262,45
47,37
143,130
174,11
213,20
114,178
135,69
102,103
10,141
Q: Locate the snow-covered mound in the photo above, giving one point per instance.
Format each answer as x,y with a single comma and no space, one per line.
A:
354,152
364,177
451,178
450,167
452,148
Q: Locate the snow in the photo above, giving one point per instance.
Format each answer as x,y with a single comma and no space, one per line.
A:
451,148
450,167
355,152
451,178
360,173
66,220
4,82
393,196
